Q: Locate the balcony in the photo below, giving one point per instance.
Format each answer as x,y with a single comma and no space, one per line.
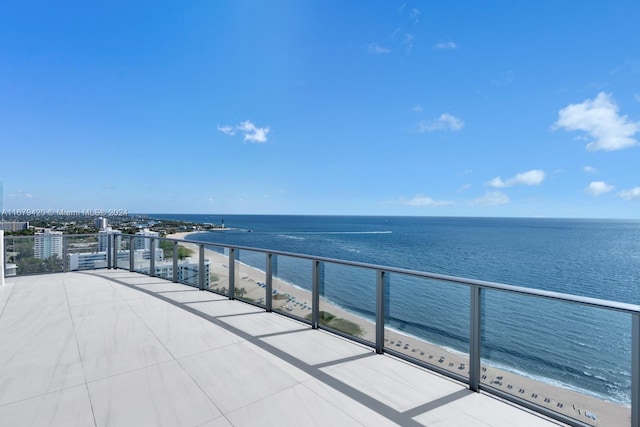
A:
120,346
112,347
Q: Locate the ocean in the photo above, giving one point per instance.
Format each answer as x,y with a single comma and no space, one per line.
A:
530,336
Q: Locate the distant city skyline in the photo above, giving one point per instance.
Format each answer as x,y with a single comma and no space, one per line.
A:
330,108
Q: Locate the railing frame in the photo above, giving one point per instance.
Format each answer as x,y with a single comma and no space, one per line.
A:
476,287
315,294
65,253
3,260
635,369
269,283
131,252
152,257
232,273
201,267
110,246
380,307
175,262
475,342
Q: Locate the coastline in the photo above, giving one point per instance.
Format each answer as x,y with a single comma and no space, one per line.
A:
296,301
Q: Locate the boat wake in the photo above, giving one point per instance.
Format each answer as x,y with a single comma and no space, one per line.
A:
339,232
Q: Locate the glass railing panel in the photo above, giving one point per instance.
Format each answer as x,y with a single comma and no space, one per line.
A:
20,257
123,248
218,268
163,254
83,253
569,358
291,286
188,264
141,255
428,320
348,300
187,257
33,255
250,276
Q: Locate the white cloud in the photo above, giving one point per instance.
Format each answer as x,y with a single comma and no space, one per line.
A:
20,193
408,41
227,130
504,79
417,108
590,169
637,97
421,200
597,188
599,118
631,65
463,188
251,132
376,49
632,194
491,198
445,45
414,15
445,122
532,177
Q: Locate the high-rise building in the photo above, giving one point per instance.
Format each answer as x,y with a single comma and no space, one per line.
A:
105,235
93,260
188,268
101,223
146,243
14,225
189,271
47,244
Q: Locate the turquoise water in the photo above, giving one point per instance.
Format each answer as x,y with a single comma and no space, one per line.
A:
583,348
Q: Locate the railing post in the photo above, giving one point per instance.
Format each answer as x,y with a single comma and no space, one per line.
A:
315,295
115,252
131,253
635,370
269,283
474,338
175,262
64,253
232,273
380,297
201,267
152,257
110,238
4,257
116,246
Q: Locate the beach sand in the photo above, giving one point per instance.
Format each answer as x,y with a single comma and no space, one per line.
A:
297,302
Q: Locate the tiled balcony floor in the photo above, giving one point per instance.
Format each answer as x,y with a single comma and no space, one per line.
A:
113,348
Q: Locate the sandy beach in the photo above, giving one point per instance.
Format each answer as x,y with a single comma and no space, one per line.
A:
297,302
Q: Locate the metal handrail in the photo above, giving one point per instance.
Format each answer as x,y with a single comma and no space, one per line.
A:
593,302
477,287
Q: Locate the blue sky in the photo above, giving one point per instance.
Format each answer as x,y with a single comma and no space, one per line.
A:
502,108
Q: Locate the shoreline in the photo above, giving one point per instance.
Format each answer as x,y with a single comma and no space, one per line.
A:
296,301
